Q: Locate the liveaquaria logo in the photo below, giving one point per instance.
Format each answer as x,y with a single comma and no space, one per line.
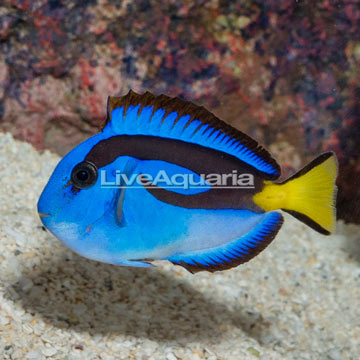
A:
177,181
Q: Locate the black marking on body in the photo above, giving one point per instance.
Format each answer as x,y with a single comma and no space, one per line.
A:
212,199
197,158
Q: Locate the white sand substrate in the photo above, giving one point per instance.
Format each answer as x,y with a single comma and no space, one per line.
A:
299,299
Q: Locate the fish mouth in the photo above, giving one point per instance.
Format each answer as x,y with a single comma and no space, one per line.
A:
43,215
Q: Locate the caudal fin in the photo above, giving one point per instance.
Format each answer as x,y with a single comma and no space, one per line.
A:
309,195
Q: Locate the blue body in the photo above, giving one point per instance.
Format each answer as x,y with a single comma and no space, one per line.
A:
88,221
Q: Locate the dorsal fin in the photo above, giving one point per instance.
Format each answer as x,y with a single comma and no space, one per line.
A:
174,118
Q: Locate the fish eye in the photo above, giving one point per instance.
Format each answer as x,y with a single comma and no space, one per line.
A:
84,175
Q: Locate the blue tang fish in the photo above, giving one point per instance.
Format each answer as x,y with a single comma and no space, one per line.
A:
165,179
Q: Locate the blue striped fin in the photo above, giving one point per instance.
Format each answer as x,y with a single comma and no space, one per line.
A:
177,119
235,252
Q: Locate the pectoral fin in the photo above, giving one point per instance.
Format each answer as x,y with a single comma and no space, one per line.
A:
119,208
128,171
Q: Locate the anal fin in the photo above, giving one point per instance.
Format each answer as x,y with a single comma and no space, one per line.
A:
234,253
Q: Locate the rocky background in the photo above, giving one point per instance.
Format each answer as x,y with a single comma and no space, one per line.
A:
285,72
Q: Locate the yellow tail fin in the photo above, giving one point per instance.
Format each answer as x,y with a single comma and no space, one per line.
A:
309,195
